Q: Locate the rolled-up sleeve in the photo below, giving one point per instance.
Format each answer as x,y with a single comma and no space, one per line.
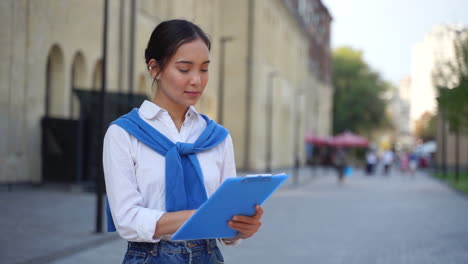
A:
132,220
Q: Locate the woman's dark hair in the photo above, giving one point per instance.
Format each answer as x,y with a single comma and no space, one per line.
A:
168,36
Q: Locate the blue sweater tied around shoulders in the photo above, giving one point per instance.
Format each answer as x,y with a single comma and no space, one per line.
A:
185,188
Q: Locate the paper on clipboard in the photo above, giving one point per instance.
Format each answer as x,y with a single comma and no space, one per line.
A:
236,196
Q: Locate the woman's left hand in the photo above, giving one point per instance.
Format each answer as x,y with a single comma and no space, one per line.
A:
247,225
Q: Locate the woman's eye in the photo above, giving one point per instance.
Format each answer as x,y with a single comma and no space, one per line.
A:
183,71
204,70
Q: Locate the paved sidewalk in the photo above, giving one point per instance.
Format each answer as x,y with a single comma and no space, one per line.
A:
41,224
56,223
366,220
395,219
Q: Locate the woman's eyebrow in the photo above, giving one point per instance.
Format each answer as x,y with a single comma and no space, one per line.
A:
190,62
183,61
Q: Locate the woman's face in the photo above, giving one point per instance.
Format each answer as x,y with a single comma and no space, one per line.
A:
184,78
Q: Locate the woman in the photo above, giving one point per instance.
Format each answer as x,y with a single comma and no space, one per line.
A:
163,160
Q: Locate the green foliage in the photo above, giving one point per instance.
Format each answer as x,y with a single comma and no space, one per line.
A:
450,179
452,84
429,133
358,103
425,127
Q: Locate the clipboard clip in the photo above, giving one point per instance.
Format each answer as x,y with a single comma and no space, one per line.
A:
256,179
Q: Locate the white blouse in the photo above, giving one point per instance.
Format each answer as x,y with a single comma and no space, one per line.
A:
135,174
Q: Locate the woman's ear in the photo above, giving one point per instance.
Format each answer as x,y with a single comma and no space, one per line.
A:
154,69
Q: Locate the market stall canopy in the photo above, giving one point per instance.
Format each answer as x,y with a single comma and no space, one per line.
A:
349,139
316,140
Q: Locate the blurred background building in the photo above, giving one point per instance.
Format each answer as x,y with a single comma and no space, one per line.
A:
437,48
269,81
431,58
452,141
400,114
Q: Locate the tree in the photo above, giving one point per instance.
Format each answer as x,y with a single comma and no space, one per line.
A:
358,103
451,81
425,127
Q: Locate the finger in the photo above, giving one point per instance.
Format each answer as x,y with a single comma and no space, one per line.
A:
258,214
246,225
244,230
239,225
249,219
244,233
245,219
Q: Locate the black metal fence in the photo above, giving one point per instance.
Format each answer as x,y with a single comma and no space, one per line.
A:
70,148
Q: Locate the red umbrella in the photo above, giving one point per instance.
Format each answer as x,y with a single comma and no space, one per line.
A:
317,141
348,139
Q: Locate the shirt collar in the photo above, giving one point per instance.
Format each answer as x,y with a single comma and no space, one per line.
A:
150,110
191,112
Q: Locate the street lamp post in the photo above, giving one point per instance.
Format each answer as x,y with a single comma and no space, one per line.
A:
269,120
297,96
131,71
102,115
316,161
222,49
444,146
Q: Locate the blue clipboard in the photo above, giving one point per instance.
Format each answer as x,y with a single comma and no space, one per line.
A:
236,196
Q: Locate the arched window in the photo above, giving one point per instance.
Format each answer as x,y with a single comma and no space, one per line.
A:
55,85
78,81
78,74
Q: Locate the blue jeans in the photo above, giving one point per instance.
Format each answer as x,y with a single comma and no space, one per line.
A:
190,252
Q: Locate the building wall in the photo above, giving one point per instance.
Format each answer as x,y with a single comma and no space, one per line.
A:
277,32
280,61
399,111
318,89
57,45
427,58
444,38
234,24
450,147
12,61
31,39
62,31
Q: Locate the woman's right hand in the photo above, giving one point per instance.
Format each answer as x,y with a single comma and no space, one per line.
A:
247,226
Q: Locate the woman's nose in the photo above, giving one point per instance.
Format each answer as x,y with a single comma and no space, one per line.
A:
196,79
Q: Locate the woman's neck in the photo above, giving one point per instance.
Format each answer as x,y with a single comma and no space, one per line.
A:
176,112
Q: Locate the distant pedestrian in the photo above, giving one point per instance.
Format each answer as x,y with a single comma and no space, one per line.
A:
413,163
388,158
163,160
404,161
340,163
371,161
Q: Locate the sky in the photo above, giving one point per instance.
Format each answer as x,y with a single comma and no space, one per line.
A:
386,30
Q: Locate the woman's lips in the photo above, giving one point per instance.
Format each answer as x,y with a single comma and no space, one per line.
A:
192,93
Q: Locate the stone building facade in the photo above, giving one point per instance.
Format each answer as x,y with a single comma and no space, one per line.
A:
270,62
428,61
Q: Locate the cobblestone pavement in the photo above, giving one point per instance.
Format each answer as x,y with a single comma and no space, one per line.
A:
312,219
